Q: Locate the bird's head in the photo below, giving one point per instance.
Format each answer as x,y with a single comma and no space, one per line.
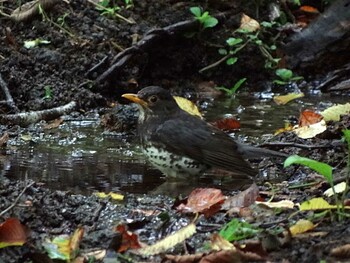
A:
153,100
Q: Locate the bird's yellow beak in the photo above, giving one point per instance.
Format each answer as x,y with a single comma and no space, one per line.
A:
135,98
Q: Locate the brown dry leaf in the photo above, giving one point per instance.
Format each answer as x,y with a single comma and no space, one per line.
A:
192,258
13,233
308,117
341,252
53,124
227,124
284,99
224,256
203,200
30,9
217,243
249,24
169,241
4,139
129,239
187,106
301,226
243,199
310,131
309,9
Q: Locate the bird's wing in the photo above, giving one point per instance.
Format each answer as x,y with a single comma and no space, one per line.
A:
202,142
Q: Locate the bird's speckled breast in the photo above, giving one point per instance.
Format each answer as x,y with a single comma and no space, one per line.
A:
172,165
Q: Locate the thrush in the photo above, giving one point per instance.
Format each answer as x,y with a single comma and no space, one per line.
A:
181,145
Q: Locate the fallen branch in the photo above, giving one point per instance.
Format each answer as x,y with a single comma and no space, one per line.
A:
149,40
26,118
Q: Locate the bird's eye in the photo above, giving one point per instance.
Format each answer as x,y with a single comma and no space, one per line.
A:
153,99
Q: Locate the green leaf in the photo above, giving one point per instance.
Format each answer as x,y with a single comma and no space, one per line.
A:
210,22
237,85
322,168
237,230
284,74
346,133
222,51
232,41
196,11
231,61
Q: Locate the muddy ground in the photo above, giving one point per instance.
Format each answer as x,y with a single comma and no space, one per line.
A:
71,65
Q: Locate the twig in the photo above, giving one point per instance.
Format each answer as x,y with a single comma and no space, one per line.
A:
302,146
9,99
17,199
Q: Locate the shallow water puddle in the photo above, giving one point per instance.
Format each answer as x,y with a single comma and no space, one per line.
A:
79,156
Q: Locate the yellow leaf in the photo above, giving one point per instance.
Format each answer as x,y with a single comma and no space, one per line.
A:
333,113
310,131
169,241
114,196
281,100
316,204
249,24
188,106
301,226
279,204
339,188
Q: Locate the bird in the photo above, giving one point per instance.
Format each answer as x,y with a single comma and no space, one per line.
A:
183,146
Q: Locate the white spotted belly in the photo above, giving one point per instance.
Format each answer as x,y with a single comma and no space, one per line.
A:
172,165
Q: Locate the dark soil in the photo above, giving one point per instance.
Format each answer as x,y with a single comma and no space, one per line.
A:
70,67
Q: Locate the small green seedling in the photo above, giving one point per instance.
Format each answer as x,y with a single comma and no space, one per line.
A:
230,92
238,230
107,10
48,93
205,19
286,76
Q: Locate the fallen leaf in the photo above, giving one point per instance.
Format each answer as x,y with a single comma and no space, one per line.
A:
310,131
301,226
129,239
187,106
53,124
308,117
4,139
227,124
64,247
114,196
317,203
333,113
169,241
249,24
203,200
13,233
237,230
243,199
284,99
309,9
217,242
341,252
338,188
280,204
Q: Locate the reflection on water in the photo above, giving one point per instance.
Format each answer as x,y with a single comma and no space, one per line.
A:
79,157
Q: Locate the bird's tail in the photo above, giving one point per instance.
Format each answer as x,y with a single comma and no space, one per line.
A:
251,152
